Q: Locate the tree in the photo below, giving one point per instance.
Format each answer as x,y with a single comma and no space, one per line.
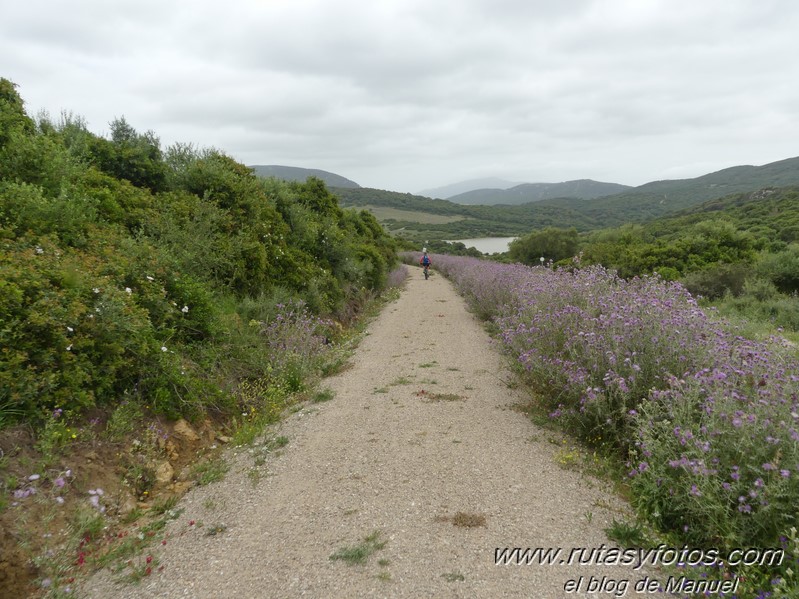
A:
12,113
552,244
131,156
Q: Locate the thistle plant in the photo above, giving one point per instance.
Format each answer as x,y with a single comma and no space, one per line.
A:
707,420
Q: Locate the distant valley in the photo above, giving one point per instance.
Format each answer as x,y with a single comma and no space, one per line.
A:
584,204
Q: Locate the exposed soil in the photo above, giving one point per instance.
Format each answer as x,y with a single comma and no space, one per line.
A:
32,525
409,478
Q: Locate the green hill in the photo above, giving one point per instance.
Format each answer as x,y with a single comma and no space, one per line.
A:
472,221
636,205
585,189
293,173
659,198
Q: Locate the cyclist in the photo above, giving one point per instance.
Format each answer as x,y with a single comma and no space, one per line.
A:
425,263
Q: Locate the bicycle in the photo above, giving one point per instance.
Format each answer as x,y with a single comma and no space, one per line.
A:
426,271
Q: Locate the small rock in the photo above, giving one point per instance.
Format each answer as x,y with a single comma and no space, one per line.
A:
180,488
223,439
127,506
164,473
208,429
184,430
172,450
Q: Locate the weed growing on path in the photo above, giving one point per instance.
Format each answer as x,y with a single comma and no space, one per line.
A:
428,396
358,554
323,395
463,519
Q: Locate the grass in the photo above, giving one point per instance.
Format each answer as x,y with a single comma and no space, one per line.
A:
428,364
215,529
323,395
209,471
403,380
358,554
626,535
453,577
255,475
430,397
125,419
87,522
162,506
276,443
383,213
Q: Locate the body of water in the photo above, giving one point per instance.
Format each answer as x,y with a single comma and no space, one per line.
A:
488,245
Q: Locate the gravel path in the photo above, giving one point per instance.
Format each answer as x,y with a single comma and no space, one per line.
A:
421,428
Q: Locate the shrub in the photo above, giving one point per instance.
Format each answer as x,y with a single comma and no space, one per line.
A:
713,282
782,269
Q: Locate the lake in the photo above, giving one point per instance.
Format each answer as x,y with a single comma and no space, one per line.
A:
488,245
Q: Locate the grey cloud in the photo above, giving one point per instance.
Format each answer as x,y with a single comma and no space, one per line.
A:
418,93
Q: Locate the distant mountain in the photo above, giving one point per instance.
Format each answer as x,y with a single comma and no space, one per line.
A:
659,198
293,173
584,189
447,191
634,205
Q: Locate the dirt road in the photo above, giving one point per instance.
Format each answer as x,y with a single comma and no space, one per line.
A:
421,449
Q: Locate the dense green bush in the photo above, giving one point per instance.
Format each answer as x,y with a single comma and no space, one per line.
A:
782,268
128,271
714,281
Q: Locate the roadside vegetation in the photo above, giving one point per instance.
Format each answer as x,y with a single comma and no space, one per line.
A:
738,254
144,287
702,419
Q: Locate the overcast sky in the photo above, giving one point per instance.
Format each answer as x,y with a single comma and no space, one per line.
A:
410,94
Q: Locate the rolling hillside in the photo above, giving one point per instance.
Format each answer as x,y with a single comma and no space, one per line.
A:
585,189
636,205
293,173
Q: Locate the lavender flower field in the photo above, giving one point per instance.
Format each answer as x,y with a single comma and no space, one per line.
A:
707,421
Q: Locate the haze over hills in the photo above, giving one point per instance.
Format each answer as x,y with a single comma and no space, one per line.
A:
293,173
584,189
447,191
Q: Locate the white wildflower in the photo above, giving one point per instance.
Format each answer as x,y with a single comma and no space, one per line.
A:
185,309
128,290
163,348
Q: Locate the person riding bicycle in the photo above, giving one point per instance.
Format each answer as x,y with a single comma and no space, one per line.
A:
425,260
425,263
